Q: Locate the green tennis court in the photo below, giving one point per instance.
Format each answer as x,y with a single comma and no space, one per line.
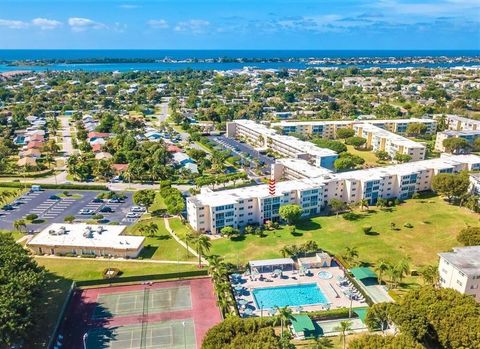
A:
136,302
174,334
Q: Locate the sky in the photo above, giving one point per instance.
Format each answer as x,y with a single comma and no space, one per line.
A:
240,24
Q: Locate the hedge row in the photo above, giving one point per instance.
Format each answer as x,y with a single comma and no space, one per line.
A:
153,277
28,174
55,186
331,314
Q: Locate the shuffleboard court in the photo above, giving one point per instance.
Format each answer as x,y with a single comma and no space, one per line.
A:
133,302
174,334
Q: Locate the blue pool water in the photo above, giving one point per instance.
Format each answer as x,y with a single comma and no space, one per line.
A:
270,297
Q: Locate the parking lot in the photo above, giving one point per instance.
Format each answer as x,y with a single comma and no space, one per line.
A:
52,206
245,151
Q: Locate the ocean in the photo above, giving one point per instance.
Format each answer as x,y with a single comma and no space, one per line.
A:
13,55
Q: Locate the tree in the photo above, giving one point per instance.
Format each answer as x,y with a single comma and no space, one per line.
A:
69,219
149,229
284,314
373,341
364,204
455,145
402,158
382,155
469,236
336,146
144,197
381,267
290,213
356,142
344,133
347,161
203,246
322,343
344,328
367,229
229,231
378,317
22,282
451,185
415,129
19,224
31,217
429,274
351,253
337,205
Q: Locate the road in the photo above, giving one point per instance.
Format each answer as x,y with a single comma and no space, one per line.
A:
163,116
66,136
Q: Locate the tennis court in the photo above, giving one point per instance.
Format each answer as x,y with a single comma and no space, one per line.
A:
156,300
174,334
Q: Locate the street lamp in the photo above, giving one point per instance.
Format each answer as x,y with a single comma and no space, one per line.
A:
261,309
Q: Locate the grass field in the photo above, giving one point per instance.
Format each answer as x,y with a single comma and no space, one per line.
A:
161,246
367,155
435,226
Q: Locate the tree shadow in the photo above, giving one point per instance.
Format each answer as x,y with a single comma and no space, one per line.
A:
238,237
372,233
352,216
308,225
148,251
164,237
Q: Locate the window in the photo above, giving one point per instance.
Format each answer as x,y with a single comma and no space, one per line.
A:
459,282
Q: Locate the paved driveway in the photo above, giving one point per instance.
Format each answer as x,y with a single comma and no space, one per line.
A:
50,210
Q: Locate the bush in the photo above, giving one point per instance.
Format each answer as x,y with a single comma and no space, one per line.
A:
367,229
408,225
69,219
416,196
31,217
97,217
469,236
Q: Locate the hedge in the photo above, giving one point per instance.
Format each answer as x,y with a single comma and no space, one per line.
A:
130,279
330,314
38,174
55,186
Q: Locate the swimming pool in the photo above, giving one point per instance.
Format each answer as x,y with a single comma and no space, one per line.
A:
295,295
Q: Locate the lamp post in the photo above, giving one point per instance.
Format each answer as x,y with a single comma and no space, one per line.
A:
85,336
261,309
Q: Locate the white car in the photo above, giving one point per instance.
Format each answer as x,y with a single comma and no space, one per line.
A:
86,212
132,215
137,209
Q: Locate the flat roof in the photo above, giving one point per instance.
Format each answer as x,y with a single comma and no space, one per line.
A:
271,262
302,166
363,273
87,236
392,137
465,259
302,323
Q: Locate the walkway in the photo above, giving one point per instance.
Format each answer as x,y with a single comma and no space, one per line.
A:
191,250
155,261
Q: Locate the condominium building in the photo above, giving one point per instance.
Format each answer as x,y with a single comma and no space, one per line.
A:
460,270
262,137
380,139
328,129
459,123
210,211
468,135
296,169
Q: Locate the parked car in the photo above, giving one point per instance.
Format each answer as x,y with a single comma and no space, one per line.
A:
97,200
86,211
106,209
137,209
53,197
7,208
132,215
114,201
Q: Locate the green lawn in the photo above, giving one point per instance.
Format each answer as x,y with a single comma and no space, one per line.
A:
435,226
86,269
179,228
161,246
158,204
368,155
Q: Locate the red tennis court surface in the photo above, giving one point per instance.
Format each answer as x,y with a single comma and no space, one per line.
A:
113,310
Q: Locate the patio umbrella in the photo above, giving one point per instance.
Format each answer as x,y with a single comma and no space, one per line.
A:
255,272
272,311
248,312
238,288
247,272
299,309
236,276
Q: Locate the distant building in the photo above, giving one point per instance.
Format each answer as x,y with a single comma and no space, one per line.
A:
468,135
460,270
86,239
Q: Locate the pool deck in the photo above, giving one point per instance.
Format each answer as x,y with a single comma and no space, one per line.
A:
329,288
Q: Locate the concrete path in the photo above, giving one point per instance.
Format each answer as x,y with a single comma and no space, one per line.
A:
99,259
66,136
172,233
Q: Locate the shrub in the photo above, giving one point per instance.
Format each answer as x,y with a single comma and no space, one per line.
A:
416,196
69,219
367,229
408,225
469,236
31,217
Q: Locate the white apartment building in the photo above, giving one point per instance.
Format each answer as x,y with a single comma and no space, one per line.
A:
296,169
460,270
380,139
262,137
468,135
328,129
459,123
210,211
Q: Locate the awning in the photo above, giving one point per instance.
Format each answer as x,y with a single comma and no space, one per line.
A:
361,313
363,273
302,323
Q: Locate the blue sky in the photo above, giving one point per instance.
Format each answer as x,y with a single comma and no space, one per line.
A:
241,24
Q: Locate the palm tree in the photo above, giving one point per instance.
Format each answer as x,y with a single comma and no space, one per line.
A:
429,274
381,267
403,268
364,204
284,314
322,343
149,229
18,224
203,245
351,253
285,251
344,328
189,237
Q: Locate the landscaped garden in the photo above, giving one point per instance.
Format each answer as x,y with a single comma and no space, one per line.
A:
417,229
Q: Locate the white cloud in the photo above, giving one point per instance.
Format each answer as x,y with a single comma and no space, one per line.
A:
195,26
44,23
79,24
158,24
13,24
